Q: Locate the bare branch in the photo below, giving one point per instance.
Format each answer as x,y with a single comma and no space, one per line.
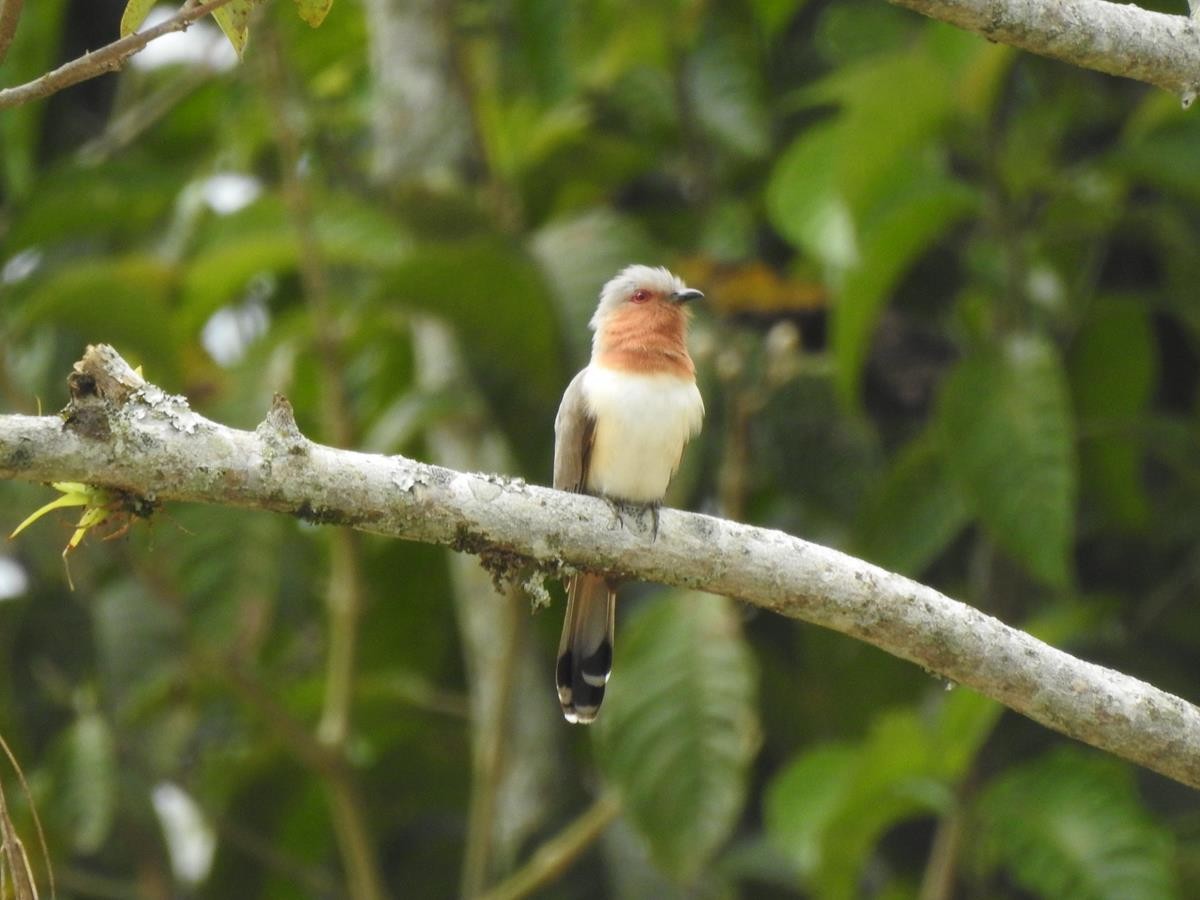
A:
139,439
1120,39
554,857
109,58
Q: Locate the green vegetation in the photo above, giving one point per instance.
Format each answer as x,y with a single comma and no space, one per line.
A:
951,326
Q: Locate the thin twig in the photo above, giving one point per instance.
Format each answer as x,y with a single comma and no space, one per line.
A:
126,127
417,692
515,733
358,853
344,593
109,58
472,79
81,882
491,745
323,760
283,726
312,878
223,665
941,872
14,860
37,820
555,856
10,14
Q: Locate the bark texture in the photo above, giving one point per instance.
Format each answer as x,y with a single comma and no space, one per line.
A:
1117,38
123,433
109,58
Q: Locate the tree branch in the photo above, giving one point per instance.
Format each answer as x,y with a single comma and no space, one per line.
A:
10,14
344,593
516,730
123,433
109,58
554,857
1119,39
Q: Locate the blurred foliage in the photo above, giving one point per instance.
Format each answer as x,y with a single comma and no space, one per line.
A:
951,325
679,731
1069,825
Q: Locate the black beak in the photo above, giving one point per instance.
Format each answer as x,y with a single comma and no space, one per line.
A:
687,296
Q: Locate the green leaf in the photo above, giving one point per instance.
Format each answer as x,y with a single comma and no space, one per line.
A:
1008,438
921,204
807,203
678,730
521,133
35,49
1160,159
846,33
901,773
827,810
803,800
579,255
892,104
89,791
915,513
1069,826
261,238
134,15
136,651
119,201
1112,361
1113,370
546,52
234,19
963,723
774,15
497,300
724,79
313,11
120,300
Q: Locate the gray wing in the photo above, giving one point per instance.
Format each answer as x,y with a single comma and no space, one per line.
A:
585,650
574,429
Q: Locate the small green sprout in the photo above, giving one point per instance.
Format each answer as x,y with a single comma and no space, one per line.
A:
100,505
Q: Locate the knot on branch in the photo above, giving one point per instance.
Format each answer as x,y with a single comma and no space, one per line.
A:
279,429
107,394
100,383
103,373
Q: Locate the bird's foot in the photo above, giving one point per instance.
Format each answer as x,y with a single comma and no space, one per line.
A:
623,508
654,508
618,511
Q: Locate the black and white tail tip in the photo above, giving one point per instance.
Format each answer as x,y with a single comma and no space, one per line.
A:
581,683
585,653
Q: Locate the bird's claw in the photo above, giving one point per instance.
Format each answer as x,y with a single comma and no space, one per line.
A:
618,511
654,508
621,508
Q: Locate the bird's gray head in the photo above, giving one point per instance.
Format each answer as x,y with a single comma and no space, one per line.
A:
640,284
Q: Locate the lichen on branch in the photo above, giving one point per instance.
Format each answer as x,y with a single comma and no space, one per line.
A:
153,445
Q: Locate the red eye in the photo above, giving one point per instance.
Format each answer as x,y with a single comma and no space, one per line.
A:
641,295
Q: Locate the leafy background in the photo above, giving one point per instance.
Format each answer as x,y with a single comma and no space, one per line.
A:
951,326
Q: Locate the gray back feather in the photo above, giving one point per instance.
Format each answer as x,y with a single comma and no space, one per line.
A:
573,433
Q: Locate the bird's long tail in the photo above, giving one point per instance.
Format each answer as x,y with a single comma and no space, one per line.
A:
586,648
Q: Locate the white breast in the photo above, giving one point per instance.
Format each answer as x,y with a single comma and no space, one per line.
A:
642,425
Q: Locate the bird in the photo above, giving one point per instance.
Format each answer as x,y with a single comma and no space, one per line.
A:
619,434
